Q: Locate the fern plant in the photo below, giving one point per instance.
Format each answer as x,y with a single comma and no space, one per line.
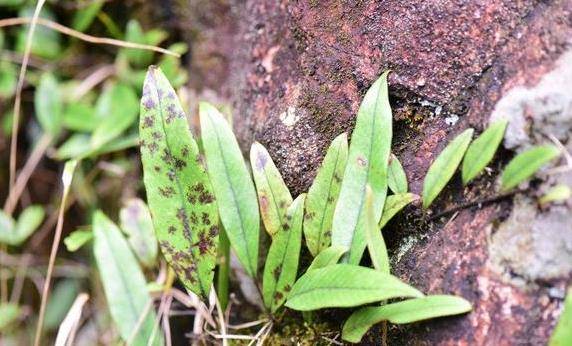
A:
192,200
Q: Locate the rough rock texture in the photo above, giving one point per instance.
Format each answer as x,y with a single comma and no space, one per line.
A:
297,72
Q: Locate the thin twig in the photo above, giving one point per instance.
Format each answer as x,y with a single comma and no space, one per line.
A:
220,314
84,37
247,324
66,178
68,327
96,77
19,87
26,173
16,119
166,323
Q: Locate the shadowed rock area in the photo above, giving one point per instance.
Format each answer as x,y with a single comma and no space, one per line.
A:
297,71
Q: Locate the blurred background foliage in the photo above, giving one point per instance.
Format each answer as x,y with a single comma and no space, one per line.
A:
80,101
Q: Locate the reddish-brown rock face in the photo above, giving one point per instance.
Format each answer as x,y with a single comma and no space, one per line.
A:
298,72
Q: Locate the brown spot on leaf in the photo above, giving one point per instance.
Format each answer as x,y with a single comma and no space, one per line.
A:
278,296
152,147
205,218
213,231
148,121
179,164
263,200
206,198
337,178
185,151
362,161
167,191
276,272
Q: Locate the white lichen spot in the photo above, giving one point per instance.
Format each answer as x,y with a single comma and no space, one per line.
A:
451,119
289,117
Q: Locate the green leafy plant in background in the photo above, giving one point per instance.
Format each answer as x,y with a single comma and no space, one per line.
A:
124,284
15,233
78,112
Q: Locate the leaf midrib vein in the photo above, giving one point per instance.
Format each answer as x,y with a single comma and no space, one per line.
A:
235,205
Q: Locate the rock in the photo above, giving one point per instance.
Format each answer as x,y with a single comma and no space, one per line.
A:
297,73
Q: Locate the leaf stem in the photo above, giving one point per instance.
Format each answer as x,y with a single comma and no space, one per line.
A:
223,268
482,201
66,178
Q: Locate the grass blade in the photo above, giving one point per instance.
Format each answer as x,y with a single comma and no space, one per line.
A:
408,311
444,166
273,195
123,281
368,159
481,152
375,243
393,205
525,164
233,187
327,257
178,188
396,178
344,285
282,261
323,196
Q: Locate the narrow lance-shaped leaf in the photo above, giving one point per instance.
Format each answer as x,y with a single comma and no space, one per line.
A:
375,243
444,166
481,152
48,104
396,178
393,205
525,164
78,238
123,283
178,188
282,261
273,195
117,110
368,159
233,187
558,193
323,195
562,335
16,233
7,226
344,285
137,224
29,220
408,311
328,257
